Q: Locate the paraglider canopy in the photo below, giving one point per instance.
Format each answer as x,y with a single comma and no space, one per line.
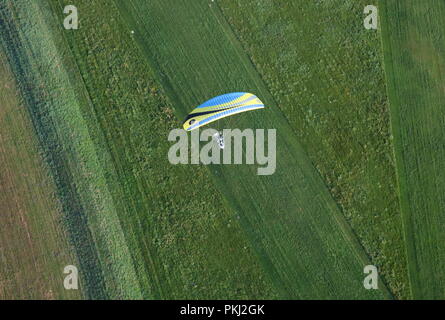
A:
220,107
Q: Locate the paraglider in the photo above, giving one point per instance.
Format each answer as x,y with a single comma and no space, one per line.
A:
220,107
219,139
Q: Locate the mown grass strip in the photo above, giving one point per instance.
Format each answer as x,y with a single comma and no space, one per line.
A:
414,50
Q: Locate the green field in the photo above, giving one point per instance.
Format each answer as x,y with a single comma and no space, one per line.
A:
327,77
414,50
358,179
286,215
192,253
172,244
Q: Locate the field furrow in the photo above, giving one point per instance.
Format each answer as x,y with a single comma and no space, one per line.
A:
31,261
54,100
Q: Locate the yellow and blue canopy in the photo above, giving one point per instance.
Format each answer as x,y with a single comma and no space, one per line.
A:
220,107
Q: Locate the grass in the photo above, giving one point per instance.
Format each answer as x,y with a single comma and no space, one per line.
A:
103,123
101,101
290,218
414,51
181,239
31,261
325,71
